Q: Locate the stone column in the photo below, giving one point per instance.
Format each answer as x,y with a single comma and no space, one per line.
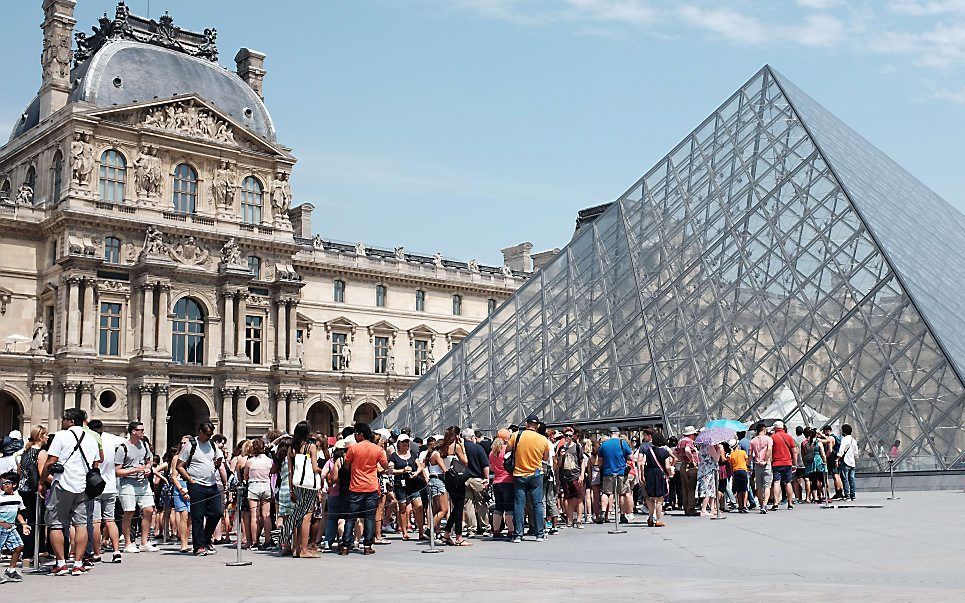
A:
134,403
227,414
73,309
240,323
87,398
70,394
53,413
300,412
228,326
90,315
144,408
281,331
64,295
241,414
161,418
281,406
37,412
147,319
292,329
164,319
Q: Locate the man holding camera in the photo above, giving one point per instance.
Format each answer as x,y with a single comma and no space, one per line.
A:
73,452
199,464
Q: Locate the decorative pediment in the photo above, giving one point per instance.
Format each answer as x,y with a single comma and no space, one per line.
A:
422,331
454,337
340,325
189,116
383,329
307,322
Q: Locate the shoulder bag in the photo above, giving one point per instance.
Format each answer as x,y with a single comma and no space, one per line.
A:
509,461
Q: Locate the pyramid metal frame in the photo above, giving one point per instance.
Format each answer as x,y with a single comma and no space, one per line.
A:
748,260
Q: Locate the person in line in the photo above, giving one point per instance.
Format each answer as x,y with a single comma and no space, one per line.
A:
180,499
744,443
762,448
832,444
594,481
571,465
708,470
103,508
335,475
529,450
305,481
365,459
405,470
257,474
658,465
199,463
739,477
455,452
686,453
847,458
74,451
436,467
11,514
784,457
28,467
502,490
615,452
280,470
477,486
132,462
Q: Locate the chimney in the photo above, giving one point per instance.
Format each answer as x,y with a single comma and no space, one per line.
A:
518,258
543,258
301,219
251,68
55,59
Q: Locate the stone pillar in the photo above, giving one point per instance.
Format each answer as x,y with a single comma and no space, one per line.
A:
144,413
147,318
53,413
87,398
64,300
90,315
292,329
55,59
134,403
281,406
36,413
73,309
228,326
347,418
281,330
241,414
70,394
240,324
227,414
164,319
161,418
300,411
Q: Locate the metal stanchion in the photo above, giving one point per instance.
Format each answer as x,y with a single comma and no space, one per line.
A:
616,506
238,562
891,470
432,528
38,525
717,493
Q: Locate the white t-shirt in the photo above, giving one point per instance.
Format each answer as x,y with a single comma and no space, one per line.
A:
8,463
110,442
129,455
74,477
10,506
847,450
201,469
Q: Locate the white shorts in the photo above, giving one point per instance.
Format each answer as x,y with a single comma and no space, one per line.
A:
259,491
133,495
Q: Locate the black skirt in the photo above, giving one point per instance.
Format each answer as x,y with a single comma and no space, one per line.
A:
656,483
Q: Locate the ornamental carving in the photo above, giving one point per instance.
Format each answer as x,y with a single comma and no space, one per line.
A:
153,243
231,255
25,195
148,173
81,159
189,252
55,57
317,242
474,266
281,199
223,186
86,246
187,120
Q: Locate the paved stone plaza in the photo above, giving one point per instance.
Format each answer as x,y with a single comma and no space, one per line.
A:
910,549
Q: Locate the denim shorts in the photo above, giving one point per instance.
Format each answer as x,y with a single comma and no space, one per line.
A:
784,474
436,487
180,504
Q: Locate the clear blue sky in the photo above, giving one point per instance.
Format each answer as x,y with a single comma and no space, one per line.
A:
464,126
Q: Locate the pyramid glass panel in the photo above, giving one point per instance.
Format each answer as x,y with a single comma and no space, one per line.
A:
774,265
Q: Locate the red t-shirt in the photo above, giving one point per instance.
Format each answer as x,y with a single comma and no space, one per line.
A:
783,445
364,457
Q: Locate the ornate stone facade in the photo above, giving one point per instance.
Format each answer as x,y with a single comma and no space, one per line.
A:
161,270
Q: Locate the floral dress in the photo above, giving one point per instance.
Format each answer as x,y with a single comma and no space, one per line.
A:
706,472
284,490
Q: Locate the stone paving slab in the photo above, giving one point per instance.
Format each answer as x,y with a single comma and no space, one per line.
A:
911,549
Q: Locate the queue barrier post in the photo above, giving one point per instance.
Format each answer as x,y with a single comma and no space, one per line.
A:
38,525
617,495
891,471
238,533
432,529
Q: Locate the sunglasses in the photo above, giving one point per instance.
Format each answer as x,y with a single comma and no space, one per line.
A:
6,482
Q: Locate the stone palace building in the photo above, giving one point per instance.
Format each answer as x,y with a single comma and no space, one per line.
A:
153,265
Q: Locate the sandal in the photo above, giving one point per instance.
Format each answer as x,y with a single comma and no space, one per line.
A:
659,524
405,537
460,542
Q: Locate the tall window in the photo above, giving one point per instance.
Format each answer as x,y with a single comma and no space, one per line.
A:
338,291
185,189
251,200
338,351
421,356
420,301
110,331
58,169
112,174
112,250
380,296
254,266
253,338
187,339
381,355
31,179
492,305
457,305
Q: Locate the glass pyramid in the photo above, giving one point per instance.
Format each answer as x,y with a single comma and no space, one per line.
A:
773,255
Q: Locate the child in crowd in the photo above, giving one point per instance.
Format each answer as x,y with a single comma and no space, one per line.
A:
10,506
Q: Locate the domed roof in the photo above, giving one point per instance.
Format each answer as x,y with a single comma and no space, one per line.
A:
124,71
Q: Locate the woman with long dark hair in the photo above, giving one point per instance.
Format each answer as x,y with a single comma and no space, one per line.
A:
305,480
280,470
456,459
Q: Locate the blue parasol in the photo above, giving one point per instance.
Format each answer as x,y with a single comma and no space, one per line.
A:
726,424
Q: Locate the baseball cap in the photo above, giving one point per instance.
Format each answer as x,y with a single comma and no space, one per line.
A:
532,419
614,430
385,433
404,438
778,425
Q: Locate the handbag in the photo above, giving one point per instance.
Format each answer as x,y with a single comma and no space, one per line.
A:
457,470
509,462
95,482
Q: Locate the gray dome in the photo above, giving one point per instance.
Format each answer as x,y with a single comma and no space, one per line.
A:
28,119
123,71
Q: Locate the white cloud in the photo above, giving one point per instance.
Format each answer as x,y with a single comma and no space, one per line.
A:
931,7
727,23
818,4
955,95
819,30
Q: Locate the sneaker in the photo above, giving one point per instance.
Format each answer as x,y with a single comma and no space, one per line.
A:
212,550
623,519
77,570
150,547
578,526
343,550
12,575
541,539
553,531
516,540
132,548
116,558
60,570
774,507
88,562
200,552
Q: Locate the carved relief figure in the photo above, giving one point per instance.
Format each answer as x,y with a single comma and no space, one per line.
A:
153,242
40,336
25,195
189,251
81,159
360,248
223,186
55,58
400,254
437,260
281,198
317,242
231,254
507,271
474,266
186,119
147,173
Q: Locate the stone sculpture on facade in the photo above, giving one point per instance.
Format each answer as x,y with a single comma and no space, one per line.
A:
281,199
55,57
223,186
507,271
437,260
153,242
473,266
81,159
400,254
148,174
360,248
317,242
231,255
25,195
187,120
189,252
39,337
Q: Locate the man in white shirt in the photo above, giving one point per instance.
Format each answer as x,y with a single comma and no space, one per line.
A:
103,507
199,464
847,452
132,461
75,450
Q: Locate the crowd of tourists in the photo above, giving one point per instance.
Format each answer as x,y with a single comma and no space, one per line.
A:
102,496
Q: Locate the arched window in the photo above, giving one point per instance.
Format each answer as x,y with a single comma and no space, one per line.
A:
187,339
112,175
380,296
58,169
5,190
420,300
254,266
185,189
251,200
112,250
338,291
457,305
31,179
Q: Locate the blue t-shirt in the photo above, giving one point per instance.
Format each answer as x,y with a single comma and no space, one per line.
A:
615,453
